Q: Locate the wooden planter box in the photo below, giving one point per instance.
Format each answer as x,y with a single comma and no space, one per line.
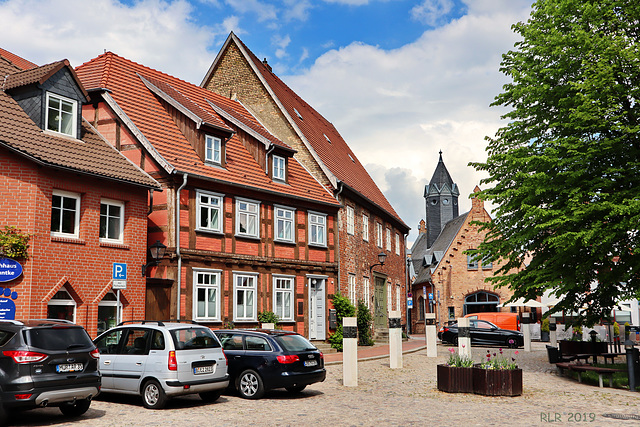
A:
454,380
497,382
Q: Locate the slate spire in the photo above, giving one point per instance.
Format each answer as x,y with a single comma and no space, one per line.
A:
441,198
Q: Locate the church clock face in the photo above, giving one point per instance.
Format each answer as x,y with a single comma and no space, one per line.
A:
434,202
445,201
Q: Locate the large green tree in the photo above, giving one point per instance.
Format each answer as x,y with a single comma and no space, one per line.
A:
564,173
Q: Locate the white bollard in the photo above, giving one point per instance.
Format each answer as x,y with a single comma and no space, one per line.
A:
526,331
464,337
268,326
350,351
395,340
553,334
430,335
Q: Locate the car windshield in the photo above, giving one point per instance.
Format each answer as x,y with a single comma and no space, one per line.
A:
58,338
194,338
294,343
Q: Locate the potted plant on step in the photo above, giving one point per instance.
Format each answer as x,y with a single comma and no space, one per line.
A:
498,375
544,330
455,376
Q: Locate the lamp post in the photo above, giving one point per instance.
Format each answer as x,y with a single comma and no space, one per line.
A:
156,251
632,361
381,259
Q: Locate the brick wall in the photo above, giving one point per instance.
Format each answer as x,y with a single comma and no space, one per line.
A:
83,265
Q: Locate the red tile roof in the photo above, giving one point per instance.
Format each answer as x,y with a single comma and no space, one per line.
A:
39,75
122,78
324,138
21,63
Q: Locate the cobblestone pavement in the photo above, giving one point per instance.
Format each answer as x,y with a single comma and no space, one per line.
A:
383,397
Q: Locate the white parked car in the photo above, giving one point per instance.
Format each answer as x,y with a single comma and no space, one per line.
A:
158,360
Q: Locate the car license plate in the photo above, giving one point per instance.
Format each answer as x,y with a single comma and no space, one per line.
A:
203,370
69,367
310,363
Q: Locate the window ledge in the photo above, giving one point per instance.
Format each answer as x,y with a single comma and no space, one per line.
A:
73,240
211,232
114,245
285,242
318,245
244,321
244,236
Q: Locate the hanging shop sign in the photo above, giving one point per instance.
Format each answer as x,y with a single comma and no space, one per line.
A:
9,269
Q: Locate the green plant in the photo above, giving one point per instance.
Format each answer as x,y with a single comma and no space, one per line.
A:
457,361
577,333
364,324
14,243
268,317
616,329
228,325
544,326
344,308
499,361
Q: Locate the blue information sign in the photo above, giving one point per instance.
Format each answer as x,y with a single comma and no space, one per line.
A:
119,271
9,269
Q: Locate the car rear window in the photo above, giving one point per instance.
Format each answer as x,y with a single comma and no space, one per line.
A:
194,338
5,336
58,338
294,343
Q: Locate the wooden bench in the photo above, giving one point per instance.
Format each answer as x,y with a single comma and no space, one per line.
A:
579,369
611,356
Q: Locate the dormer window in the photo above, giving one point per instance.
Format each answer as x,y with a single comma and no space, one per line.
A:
213,149
61,114
279,168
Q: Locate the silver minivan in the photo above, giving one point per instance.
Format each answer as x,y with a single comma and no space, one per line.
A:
158,360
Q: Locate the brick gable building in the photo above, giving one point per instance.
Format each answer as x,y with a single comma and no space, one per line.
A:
455,280
367,223
247,228
83,203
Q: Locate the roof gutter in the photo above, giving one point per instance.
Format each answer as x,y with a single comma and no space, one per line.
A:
177,219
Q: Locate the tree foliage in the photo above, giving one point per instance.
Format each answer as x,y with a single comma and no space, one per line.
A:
364,319
14,243
344,308
564,172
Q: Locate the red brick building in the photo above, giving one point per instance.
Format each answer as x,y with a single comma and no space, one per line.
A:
83,203
367,223
456,281
247,228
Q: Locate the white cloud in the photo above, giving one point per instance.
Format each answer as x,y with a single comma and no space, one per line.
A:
349,2
152,32
264,11
431,12
402,106
297,10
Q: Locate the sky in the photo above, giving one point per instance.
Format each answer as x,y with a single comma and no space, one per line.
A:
400,80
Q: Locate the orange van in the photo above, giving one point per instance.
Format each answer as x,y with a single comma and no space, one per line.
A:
510,321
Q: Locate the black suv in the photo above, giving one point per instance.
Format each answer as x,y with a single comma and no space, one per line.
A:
47,362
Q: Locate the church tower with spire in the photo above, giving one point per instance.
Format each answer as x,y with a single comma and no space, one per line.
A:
441,197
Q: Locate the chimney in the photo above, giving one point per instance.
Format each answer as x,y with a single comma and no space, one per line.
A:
266,64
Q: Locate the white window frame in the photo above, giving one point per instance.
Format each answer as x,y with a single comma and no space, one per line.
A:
213,145
352,288
279,168
250,289
316,224
210,207
76,226
388,239
74,113
472,262
284,285
208,287
379,242
109,303
366,292
350,220
65,302
365,228
277,209
397,244
248,214
116,203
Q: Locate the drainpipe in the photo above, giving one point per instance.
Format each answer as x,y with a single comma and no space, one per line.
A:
177,216
266,157
150,202
341,187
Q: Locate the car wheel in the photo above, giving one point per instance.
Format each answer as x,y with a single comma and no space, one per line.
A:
512,342
296,388
153,396
210,396
75,409
249,385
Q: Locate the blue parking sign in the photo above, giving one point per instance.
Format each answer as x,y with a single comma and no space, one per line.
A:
119,271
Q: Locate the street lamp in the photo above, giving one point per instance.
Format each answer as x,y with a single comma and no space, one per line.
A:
157,252
381,259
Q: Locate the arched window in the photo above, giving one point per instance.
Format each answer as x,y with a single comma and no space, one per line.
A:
480,302
108,312
62,306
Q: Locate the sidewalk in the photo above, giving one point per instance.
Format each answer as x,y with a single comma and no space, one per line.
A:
378,351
